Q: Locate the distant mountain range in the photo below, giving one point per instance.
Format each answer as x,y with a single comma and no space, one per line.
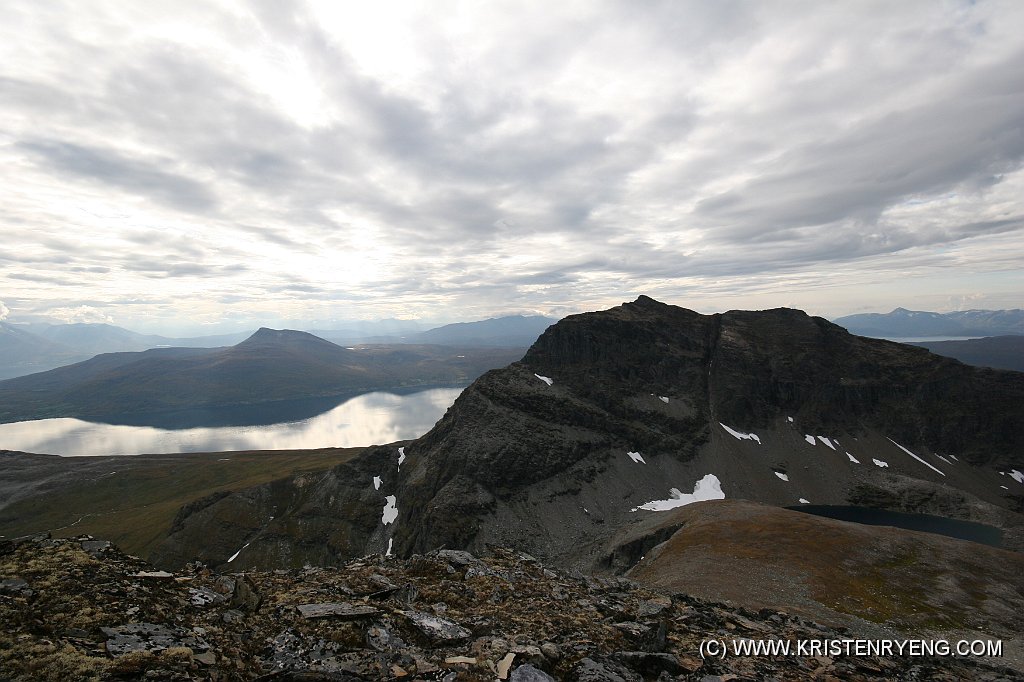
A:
30,348
902,323
271,365
25,349
513,331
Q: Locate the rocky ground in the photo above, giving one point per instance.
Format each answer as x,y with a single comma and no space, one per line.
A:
79,609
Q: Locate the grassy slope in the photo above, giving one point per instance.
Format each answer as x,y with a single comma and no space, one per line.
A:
762,556
135,506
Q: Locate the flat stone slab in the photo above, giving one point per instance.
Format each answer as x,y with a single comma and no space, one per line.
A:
15,586
436,629
95,547
125,639
457,556
337,610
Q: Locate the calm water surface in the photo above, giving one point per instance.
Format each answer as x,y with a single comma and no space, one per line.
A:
954,528
367,419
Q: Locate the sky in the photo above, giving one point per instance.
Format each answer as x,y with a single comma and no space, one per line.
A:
210,165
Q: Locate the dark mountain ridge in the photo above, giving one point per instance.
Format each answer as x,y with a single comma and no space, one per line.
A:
559,452
271,365
997,352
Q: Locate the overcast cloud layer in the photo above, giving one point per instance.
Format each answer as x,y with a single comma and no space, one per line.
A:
218,163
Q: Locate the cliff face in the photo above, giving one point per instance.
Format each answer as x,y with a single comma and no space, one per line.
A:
613,410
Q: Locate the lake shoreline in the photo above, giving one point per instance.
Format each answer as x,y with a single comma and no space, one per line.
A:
355,421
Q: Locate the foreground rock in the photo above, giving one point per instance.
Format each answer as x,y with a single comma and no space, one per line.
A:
69,615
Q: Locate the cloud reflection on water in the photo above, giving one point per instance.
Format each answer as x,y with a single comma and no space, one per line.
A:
368,419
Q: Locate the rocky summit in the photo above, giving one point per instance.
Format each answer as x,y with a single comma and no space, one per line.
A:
613,417
79,609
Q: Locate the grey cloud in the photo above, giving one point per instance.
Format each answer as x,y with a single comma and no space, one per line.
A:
454,181
161,269
44,279
970,136
138,176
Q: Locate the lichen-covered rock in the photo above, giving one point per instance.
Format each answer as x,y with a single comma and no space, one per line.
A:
92,619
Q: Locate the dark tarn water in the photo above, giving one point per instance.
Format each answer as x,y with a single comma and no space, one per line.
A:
378,417
954,528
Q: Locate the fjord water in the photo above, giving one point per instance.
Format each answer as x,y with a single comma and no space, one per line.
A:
367,419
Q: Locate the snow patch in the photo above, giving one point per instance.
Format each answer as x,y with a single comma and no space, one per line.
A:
1004,487
944,459
707,488
391,542
1017,476
390,512
376,482
546,380
954,458
915,456
663,399
803,501
852,458
235,555
879,463
810,439
826,441
401,457
789,419
741,436
635,456
783,476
